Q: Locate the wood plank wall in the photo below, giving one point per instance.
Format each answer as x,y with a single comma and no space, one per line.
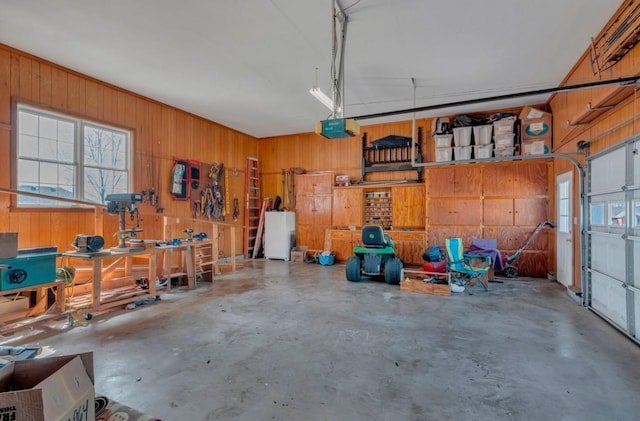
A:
609,128
160,133
475,204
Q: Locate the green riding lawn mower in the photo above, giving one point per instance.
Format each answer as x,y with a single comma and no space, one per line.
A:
376,257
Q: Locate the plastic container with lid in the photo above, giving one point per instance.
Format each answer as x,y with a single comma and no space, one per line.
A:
443,154
504,152
503,140
442,140
482,134
461,153
462,136
482,151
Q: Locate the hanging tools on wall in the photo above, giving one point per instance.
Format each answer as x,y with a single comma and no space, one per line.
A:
288,186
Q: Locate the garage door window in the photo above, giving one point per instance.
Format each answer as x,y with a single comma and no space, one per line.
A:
597,214
635,205
616,213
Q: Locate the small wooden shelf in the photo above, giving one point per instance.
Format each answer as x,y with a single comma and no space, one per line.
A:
378,207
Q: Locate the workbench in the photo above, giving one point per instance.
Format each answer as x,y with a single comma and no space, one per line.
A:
102,272
187,259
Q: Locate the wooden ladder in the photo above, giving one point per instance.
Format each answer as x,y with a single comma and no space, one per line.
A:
267,204
251,205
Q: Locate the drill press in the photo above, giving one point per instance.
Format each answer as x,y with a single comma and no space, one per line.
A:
120,204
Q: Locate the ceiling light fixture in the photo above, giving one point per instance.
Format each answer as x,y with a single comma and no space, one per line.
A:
324,98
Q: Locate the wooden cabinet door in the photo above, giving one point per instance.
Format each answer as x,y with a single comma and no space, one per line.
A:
467,181
305,206
408,206
530,179
347,207
498,212
312,184
311,236
498,180
342,243
455,212
409,245
322,210
454,182
530,211
441,182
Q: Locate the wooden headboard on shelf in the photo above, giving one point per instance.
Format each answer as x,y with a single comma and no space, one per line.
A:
391,153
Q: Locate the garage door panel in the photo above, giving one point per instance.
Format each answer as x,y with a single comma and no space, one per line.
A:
609,298
609,170
636,164
608,255
635,245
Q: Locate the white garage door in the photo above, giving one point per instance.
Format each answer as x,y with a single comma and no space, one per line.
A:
612,287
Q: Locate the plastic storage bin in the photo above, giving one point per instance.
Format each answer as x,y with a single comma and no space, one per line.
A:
503,140
504,126
504,152
461,153
462,136
482,151
443,154
442,140
482,134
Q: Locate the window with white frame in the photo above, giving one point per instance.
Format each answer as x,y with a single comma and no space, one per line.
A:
66,157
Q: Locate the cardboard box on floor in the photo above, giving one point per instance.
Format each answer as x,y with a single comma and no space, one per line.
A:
48,389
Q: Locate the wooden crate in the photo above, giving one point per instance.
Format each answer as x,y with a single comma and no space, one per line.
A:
417,281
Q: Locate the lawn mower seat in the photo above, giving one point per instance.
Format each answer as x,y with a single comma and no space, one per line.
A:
373,236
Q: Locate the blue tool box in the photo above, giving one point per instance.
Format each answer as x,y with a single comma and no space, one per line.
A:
30,267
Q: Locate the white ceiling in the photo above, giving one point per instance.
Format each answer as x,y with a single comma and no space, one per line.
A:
249,64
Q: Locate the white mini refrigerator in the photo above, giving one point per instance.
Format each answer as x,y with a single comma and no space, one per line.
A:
279,234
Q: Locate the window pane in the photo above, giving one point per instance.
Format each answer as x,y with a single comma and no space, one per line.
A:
65,132
597,214
28,172
28,146
635,205
101,182
48,128
28,123
616,213
48,173
105,148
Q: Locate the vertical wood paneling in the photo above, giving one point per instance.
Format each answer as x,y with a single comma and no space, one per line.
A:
59,89
73,94
159,133
25,77
45,83
91,99
35,81
5,88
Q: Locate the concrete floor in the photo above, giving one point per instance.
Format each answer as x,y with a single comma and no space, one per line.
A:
295,341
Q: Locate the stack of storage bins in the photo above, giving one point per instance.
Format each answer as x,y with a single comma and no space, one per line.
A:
443,147
462,142
503,136
483,147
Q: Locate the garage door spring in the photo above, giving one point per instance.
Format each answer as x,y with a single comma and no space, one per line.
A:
17,276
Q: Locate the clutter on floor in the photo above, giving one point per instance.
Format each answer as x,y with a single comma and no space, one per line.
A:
55,388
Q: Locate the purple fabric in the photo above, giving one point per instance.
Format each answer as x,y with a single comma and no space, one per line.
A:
487,246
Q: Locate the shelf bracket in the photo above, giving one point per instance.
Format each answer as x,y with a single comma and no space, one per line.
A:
601,107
